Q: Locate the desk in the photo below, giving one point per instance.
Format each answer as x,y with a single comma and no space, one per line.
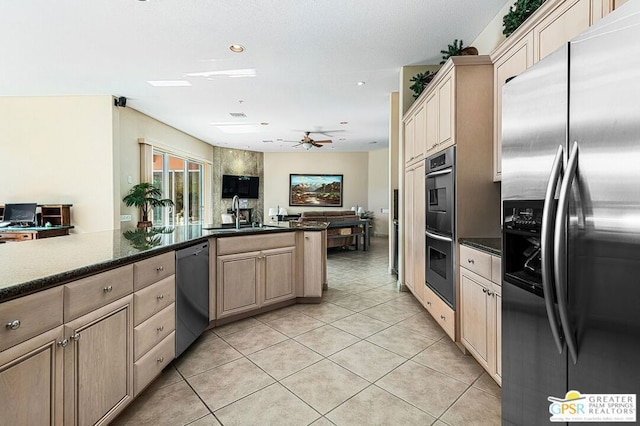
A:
32,233
348,223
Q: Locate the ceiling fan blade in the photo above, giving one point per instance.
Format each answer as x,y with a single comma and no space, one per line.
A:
325,141
317,145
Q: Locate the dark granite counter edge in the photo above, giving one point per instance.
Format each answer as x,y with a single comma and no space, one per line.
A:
492,246
55,280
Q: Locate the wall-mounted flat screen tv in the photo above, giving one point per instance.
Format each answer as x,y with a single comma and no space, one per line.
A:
242,186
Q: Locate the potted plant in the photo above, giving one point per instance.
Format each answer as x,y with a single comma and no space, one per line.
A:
145,196
456,49
518,13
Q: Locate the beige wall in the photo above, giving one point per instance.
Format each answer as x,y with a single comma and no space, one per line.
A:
378,199
60,150
278,166
492,35
134,125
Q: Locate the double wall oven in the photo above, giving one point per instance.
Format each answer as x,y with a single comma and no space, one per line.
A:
440,226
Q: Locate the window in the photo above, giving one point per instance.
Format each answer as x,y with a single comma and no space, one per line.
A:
180,180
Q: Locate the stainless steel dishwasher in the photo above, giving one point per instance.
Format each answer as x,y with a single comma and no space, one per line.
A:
192,294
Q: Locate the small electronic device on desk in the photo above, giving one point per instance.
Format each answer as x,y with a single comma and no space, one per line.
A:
21,221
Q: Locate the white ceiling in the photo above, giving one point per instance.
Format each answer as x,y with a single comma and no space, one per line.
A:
308,56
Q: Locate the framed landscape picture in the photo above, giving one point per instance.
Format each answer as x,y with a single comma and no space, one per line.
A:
315,190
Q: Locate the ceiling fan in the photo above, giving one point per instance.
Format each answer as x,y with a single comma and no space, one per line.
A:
308,143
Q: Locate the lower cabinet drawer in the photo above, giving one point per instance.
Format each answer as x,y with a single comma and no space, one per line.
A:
153,362
153,299
476,261
441,312
28,316
88,294
152,331
16,236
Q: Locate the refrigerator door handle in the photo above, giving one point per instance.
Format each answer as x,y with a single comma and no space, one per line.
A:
560,251
547,227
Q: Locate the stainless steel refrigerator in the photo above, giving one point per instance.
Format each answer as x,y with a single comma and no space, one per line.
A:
571,222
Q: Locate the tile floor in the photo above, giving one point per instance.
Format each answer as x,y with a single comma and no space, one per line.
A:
367,355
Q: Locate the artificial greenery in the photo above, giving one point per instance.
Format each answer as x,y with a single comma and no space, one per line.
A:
518,13
452,50
145,196
420,81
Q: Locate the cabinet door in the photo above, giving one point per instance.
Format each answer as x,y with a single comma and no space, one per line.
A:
408,229
237,283
279,270
475,315
98,364
510,64
314,264
419,228
432,122
445,112
409,135
560,26
31,381
419,133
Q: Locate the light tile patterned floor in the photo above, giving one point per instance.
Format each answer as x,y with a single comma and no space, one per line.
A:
368,355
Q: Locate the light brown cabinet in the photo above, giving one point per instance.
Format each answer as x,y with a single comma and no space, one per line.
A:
98,364
248,280
154,317
512,62
31,381
415,128
415,231
409,264
315,263
278,275
237,283
481,309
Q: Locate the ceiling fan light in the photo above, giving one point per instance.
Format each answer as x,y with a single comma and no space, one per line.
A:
307,145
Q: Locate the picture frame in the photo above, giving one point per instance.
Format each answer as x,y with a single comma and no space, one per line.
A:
315,190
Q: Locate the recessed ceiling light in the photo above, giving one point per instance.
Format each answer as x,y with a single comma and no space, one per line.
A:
344,122
267,141
361,83
236,48
264,123
246,72
371,143
169,83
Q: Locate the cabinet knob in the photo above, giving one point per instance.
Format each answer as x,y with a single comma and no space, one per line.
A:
107,289
471,261
428,303
489,293
484,290
13,325
160,328
63,343
442,317
160,268
75,337
161,359
160,296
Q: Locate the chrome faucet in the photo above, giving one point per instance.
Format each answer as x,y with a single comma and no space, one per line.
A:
235,205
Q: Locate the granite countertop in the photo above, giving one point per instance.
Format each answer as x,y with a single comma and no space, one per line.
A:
30,266
493,246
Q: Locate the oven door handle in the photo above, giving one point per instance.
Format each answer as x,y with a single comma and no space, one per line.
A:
438,237
440,172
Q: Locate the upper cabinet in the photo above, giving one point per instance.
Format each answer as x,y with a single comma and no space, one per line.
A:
430,124
553,24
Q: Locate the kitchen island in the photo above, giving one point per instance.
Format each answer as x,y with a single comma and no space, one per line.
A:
97,311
